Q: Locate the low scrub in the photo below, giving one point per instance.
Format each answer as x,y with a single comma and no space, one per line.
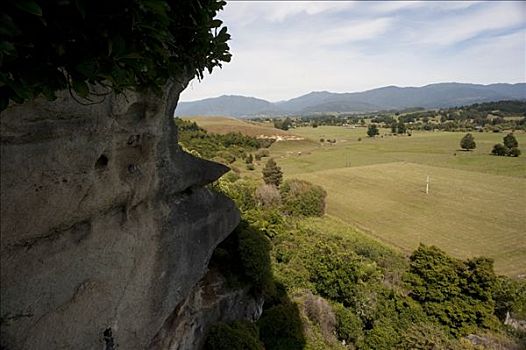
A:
302,198
239,335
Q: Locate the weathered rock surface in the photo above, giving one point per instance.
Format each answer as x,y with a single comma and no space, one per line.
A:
106,226
209,302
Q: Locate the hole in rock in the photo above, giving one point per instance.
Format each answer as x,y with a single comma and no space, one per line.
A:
102,162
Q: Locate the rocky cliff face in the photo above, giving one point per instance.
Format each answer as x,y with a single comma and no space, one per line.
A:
106,224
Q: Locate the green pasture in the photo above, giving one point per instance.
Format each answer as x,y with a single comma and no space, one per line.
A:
476,204
439,149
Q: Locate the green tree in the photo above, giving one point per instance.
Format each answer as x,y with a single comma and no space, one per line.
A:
372,130
458,294
401,127
514,152
283,124
393,127
499,150
118,45
272,174
468,142
302,198
281,328
510,141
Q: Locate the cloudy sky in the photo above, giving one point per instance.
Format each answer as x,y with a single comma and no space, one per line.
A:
285,49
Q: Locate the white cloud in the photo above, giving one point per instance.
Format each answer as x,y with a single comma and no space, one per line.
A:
248,12
281,51
455,29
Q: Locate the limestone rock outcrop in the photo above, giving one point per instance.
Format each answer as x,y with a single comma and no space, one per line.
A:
209,302
107,225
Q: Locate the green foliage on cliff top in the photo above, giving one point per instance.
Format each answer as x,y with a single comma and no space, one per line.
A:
46,46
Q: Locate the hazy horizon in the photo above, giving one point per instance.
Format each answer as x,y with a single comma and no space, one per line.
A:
282,50
357,91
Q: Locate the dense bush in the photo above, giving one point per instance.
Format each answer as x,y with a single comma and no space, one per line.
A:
499,150
225,147
372,130
425,335
509,148
348,325
281,328
335,272
268,221
268,196
514,152
261,153
272,174
383,336
468,142
510,141
302,198
48,46
240,335
458,294
509,296
242,192
254,254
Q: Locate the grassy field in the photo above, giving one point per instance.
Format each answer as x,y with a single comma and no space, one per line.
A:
476,205
224,125
430,148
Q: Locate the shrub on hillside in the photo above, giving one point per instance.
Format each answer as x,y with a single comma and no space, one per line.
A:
509,296
383,336
242,192
254,254
268,196
349,327
456,293
302,198
425,335
335,272
239,335
281,328
272,174
268,221
320,313
231,176
229,157
261,153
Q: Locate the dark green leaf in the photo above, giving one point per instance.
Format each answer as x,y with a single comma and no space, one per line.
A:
29,6
81,88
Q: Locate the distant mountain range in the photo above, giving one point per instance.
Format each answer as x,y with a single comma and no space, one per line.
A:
390,97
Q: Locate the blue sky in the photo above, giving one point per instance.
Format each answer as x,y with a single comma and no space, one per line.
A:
285,49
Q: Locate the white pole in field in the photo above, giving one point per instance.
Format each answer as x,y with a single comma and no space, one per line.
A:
427,185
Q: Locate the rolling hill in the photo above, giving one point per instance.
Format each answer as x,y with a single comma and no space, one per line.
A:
440,95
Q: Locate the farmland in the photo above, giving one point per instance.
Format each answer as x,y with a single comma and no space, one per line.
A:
224,125
476,205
